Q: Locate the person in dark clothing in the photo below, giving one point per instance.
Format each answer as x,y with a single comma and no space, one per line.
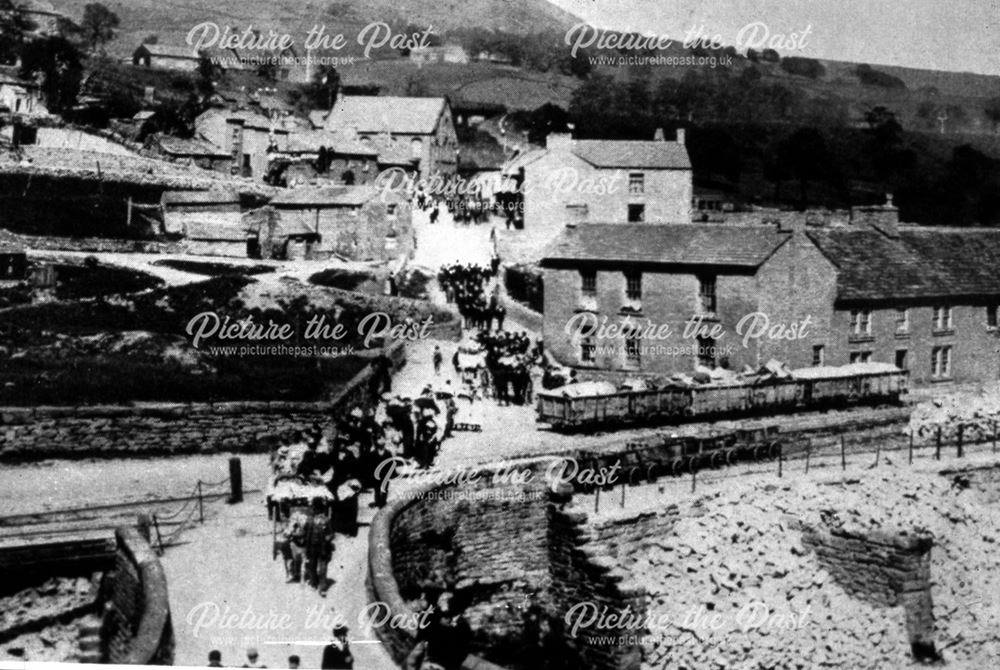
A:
337,655
438,359
215,659
318,548
381,474
447,637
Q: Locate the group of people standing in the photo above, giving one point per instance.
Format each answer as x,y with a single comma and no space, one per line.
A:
465,287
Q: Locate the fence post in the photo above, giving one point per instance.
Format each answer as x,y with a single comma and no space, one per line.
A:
201,505
159,538
994,437
781,460
597,499
937,449
911,446
843,454
878,452
808,452
623,494
235,480
694,479
961,432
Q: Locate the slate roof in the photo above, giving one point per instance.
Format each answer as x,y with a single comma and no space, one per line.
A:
665,244
923,263
633,154
170,51
188,147
377,114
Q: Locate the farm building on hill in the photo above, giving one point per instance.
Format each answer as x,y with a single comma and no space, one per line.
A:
200,153
165,57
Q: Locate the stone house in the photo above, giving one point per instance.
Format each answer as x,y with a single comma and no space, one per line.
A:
602,181
805,292
319,154
446,53
422,127
166,57
354,222
206,222
247,137
20,96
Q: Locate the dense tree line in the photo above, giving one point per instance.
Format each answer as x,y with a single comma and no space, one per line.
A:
776,145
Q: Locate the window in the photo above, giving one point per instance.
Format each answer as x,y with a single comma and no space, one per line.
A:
588,282
588,350
861,357
901,359
941,362
636,213
706,293
902,321
991,316
819,355
861,322
942,318
636,183
391,210
633,285
706,352
633,344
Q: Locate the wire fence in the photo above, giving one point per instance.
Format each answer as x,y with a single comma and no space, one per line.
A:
193,507
797,457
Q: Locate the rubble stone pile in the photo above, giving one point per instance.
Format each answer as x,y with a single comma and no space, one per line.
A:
734,585
43,622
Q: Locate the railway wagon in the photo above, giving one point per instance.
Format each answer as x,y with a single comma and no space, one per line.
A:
594,404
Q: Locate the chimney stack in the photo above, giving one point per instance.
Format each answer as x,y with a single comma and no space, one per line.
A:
658,135
883,218
559,141
680,137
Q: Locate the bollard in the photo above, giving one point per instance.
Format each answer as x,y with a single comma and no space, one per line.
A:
201,505
694,479
808,452
235,481
937,449
781,460
623,494
961,432
911,446
597,499
878,452
843,454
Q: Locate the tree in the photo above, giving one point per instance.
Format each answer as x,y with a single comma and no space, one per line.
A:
15,25
55,61
98,24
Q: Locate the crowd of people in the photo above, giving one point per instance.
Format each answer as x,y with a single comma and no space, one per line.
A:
464,285
510,359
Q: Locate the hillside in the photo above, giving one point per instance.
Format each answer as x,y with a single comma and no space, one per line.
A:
171,20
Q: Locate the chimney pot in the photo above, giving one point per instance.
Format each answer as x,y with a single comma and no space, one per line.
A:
658,135
681,139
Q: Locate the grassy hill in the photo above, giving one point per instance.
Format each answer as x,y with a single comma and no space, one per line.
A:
171,20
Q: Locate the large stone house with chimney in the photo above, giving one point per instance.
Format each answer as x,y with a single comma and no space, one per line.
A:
805,289
602,181
420,128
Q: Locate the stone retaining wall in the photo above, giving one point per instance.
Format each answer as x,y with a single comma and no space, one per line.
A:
137,629
148,429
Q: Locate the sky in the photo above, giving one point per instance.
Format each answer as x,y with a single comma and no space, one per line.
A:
960,35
